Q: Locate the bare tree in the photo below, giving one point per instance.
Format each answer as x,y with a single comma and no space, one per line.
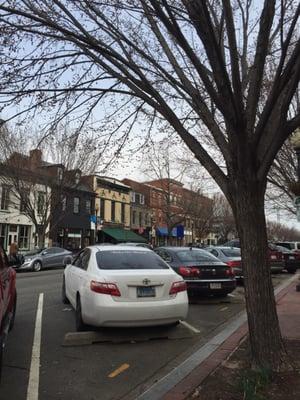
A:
224,223
280,232
199,65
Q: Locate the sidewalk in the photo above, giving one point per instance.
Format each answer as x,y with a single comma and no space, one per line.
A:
288,308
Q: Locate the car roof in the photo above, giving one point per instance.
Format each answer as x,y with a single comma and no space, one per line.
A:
119,247
224,247
178,248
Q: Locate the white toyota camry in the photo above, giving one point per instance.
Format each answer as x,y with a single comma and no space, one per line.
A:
123,286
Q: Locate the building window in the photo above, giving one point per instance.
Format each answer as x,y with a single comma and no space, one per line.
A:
41,203
133,217
76,205
88,206
140,219
102,208
23,237
77,178
113,211
63,202
122,212
132,197
142,199
24,199
2,234
5,197
59,174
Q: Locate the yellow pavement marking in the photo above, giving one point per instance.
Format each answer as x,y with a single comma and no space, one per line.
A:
224,309
118,371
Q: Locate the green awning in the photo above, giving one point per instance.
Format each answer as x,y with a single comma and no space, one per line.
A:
123,235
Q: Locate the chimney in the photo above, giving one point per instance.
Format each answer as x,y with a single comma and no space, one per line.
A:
35,157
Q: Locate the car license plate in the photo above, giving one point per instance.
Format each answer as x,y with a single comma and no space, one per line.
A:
145,291
215,286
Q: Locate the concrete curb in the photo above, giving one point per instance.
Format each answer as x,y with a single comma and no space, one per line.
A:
182,380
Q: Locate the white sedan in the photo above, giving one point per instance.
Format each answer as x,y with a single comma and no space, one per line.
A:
122,287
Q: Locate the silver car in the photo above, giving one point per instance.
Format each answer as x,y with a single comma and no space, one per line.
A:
44,258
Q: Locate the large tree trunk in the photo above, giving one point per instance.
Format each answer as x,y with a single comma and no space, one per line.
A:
265,337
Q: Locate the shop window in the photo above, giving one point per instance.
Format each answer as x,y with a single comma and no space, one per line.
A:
102,208
122,212
133,217
24,234
24,199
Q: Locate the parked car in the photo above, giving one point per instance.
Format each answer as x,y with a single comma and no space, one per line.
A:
291,261
8,299
275,256
146,245
230,256
294,246
120,286
203,272
36,260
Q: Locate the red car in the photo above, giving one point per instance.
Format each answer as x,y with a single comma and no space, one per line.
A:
8,299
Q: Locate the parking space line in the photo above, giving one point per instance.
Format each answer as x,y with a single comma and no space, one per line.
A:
190,327
224,309
34,375
119,370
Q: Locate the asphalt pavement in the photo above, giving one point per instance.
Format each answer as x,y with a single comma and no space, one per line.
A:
115,364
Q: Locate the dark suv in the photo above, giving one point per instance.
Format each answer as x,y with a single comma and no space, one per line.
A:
8,299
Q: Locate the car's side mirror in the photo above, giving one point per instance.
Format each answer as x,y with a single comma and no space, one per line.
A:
68,260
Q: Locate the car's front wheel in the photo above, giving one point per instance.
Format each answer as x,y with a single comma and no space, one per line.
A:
37,266
80,325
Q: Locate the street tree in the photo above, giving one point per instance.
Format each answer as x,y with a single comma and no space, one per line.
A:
200,66
224,223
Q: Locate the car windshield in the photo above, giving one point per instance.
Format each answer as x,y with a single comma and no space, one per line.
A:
131,259
195,255
231,252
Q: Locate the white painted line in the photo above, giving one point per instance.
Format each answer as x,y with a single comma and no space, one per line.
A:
190,327
34,375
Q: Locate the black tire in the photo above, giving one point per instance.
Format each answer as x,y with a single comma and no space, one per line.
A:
37,266
80,325
12,321
64,298
291,270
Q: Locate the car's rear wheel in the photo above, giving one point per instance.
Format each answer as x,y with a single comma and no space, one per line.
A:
80,325
64,298
37,266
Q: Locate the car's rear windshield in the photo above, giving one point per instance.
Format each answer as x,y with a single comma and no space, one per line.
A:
232,252
196,255
131,259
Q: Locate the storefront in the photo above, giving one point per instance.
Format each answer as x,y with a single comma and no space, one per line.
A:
13,233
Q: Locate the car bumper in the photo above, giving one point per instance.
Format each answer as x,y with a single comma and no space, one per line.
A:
211,286
104,311
277,266
24,267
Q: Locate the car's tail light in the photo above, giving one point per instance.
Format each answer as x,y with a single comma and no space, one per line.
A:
178,287
230,271
189,271
233,264
184,271
105,288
